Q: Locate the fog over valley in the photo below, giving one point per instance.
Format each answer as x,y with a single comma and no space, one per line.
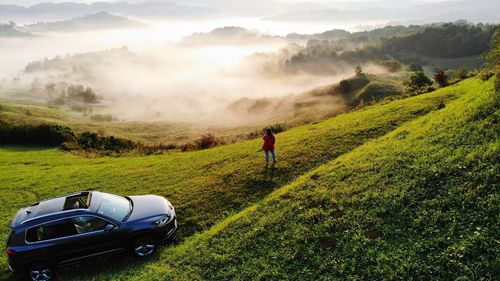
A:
192,61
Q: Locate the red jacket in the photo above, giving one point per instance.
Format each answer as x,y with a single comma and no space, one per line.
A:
268,143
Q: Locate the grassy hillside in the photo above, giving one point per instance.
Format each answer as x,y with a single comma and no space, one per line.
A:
205,186
420,202
209,186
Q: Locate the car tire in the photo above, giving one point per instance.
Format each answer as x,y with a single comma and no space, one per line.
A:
144,246
41,272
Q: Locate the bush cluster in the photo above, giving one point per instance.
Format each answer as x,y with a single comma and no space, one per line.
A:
417,82
103,118
45,134
56,135
92,141
205,141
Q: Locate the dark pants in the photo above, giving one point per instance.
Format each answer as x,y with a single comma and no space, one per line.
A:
267,155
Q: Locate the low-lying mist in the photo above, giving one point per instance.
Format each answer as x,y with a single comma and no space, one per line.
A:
155,80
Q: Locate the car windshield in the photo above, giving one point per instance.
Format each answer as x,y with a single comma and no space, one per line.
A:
115,207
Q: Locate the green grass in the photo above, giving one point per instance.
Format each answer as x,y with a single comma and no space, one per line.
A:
210,186
379,90
420,203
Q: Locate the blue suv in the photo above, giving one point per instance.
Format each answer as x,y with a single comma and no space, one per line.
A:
68,230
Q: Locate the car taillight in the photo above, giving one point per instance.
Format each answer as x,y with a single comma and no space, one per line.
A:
10,252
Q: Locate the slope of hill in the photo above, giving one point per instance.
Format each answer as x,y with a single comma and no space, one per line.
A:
230,35
420,202
97,21
323,102
205,186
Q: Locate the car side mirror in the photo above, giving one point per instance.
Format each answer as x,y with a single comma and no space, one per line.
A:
109,227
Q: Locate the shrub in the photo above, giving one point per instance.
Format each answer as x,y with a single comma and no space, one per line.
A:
345,86
46,134
415,67
358,70
80,109
157,148
348,86
486,74
277,128
417,81
82,94
391,65
92,141
206,141
462,73
429,89
103,118
188,147
441,78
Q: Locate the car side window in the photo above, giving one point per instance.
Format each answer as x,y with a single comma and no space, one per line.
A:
52,230
86,224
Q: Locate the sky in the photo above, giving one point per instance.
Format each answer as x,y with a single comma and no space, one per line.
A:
32,2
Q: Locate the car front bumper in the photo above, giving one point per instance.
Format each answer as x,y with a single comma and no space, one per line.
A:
168,230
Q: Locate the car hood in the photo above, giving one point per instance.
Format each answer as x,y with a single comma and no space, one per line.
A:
149,205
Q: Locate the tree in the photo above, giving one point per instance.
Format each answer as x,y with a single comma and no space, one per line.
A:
462,73
415,67
441,78
493,58
345,86
358,70
417,81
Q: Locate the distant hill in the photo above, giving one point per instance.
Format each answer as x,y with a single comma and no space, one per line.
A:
12,30
385,10
68,10
413,12
101,20
230,35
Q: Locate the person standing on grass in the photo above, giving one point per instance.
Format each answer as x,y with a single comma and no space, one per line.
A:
268,146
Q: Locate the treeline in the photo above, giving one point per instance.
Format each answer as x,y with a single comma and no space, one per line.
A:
52,135
80,63
56,135
436,41
446,41
10,29
365,36
63,93
45,134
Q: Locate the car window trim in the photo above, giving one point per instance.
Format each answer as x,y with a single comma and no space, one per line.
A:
65,237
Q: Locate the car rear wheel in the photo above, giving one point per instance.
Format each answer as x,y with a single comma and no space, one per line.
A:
41,272
144,246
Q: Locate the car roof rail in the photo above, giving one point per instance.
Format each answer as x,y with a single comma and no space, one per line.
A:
57,197
52,214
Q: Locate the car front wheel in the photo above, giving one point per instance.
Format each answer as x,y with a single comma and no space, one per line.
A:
144,246
40,272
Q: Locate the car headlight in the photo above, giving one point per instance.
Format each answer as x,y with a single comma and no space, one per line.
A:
163,221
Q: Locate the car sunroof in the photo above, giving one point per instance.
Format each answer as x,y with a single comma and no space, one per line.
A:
80,201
